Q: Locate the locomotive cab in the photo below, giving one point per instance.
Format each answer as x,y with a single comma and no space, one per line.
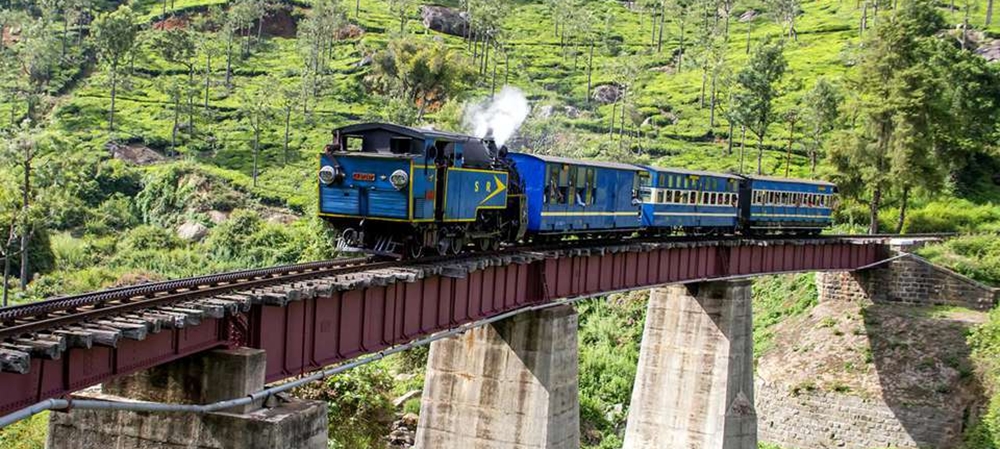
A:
397,190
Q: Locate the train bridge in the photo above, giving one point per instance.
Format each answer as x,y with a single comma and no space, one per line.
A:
219,339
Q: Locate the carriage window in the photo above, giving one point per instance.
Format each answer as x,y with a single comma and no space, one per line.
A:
693,198
565,179
590,186
661,197
551,185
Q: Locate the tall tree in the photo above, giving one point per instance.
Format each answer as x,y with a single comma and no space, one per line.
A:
114,36
37,54
178,46
418,72
784,12
681,11
822,108
893,145
756,91
402,10
255,112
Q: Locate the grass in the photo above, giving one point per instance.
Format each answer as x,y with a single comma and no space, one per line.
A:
777,298
976,256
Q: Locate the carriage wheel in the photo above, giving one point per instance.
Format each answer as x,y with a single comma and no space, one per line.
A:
484,244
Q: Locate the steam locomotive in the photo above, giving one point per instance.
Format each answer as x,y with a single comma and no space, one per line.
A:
401,191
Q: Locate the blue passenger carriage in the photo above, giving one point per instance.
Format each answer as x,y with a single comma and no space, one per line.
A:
567,196
787,205
686,200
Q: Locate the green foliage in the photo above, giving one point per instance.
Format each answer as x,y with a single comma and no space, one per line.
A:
360,405
27,434
775,299
609,336
419,72
954,216
985,343
757,90
976,256
149,238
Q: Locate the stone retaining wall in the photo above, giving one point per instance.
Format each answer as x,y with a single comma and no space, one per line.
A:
907,279
807,420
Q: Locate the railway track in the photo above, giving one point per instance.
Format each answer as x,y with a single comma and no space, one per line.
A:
46,328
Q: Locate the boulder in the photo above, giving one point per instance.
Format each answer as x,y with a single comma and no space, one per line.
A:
445,20
990,50
571,112
749,15
406,397
544,111
607,93
134,153
217,216
192,231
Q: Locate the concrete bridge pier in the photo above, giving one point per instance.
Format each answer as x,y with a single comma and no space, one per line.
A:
694,384
509,385
199,379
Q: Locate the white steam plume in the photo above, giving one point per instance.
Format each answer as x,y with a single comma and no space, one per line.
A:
502,116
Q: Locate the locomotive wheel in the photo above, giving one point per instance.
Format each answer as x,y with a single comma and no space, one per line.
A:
416,250
457,245
483,244
443,246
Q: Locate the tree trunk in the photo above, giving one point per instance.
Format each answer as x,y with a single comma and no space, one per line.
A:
191,95
256,149
680,50
114,93
288,120
704,82
229,61
749,26
864,19
729,143
873,210
989,12
743,146
25,231
659,34
65,35
621,127
493,87
163,16
590,70
614,116
177,119
6,272
712,102
208,79
357,9
902,210
788,151
760,154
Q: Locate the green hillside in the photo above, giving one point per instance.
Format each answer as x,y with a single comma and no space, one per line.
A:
184,134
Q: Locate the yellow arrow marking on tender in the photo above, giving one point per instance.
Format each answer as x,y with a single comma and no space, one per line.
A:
500,188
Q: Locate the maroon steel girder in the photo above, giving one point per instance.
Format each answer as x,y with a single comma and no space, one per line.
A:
306,335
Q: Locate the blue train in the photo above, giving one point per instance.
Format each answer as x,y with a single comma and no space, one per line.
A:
404,191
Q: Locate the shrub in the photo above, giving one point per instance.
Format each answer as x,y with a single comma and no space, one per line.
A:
150,238
953,216
976,256
360,405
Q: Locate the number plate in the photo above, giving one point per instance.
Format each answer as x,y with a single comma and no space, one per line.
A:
364,176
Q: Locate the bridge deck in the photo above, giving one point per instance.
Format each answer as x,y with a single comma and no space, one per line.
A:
306,325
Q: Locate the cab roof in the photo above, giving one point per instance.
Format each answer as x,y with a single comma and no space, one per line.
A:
415,133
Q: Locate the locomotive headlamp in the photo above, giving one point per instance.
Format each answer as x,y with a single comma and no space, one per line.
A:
327,174
399,179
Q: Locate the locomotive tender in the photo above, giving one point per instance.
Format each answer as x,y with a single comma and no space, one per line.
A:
397,190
